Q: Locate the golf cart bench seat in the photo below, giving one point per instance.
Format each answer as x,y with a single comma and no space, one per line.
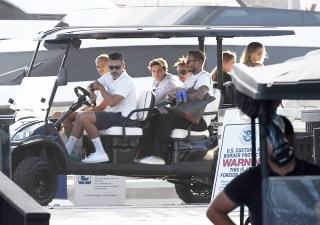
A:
145,104
181,134
118,131
184,134
124,140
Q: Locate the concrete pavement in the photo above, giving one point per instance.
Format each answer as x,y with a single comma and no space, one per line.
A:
148,202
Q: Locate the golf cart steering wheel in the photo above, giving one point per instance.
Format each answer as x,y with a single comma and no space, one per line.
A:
84,96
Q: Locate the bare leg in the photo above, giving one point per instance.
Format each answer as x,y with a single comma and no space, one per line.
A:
77,129
68,123
88,121
56,115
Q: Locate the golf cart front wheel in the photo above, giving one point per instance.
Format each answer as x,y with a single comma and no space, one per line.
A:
190,194
36,177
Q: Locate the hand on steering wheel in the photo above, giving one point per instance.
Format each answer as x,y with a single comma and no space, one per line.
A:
84,96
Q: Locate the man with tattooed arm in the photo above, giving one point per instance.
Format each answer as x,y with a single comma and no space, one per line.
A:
197,88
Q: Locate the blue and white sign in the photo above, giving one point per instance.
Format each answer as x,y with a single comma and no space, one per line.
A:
99,190
235,154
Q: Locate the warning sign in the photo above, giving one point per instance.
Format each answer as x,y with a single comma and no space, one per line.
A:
235,154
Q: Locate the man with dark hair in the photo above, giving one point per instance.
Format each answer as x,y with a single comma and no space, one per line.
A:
118,90
245,189
197,88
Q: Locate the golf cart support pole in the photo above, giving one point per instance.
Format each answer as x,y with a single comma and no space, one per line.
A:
33,59
56,85
201,44
220,81
219,63
263,156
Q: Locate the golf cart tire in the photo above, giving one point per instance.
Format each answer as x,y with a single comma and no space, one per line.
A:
195,195
36,177
189,195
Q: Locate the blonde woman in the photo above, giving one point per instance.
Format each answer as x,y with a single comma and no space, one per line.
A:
254,54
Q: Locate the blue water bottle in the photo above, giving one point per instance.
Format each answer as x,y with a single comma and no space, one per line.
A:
184,95
178,96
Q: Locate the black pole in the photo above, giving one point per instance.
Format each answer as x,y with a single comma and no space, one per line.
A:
219,63
201,44
253,142
33,59
263,117
56,86
253,159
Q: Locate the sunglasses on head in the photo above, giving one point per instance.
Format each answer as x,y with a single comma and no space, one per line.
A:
115,67
182,72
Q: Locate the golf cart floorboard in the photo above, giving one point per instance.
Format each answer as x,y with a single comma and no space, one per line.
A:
181,168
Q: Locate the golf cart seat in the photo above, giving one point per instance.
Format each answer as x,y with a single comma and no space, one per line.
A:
122,141
145,104
183,137
188,135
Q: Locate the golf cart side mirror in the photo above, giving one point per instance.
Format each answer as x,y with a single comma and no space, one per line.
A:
62,77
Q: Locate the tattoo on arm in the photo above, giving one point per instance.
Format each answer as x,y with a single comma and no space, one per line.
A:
198,94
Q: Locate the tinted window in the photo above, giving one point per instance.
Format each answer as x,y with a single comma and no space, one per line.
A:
209,15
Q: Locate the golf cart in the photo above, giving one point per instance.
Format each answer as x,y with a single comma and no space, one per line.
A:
38,154
259,94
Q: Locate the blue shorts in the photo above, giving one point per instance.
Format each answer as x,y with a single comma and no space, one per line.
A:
105,120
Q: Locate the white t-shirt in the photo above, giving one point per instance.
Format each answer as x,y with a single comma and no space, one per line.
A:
188,82
99,100
203,78
124,86
167,85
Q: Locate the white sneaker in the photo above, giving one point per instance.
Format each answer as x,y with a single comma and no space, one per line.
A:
96,158
152,160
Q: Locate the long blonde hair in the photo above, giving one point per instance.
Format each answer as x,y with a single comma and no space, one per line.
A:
247,55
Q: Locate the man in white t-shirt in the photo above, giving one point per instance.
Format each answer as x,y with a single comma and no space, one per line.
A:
118,90
102,67
197,87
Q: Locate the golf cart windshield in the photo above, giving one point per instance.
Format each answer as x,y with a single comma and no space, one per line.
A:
34,95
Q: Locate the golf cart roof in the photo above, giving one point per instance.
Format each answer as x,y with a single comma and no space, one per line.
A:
297,78
67,33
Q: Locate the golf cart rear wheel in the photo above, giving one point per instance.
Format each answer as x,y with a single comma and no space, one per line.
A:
36,177
190,194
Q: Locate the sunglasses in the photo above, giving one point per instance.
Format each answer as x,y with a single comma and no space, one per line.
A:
182,72
191,60
115,67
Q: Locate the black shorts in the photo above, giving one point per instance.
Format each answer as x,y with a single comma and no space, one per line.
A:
106,120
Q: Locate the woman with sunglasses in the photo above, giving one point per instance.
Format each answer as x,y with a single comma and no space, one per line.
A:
182,72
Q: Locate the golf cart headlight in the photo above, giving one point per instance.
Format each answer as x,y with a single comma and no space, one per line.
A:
22,135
